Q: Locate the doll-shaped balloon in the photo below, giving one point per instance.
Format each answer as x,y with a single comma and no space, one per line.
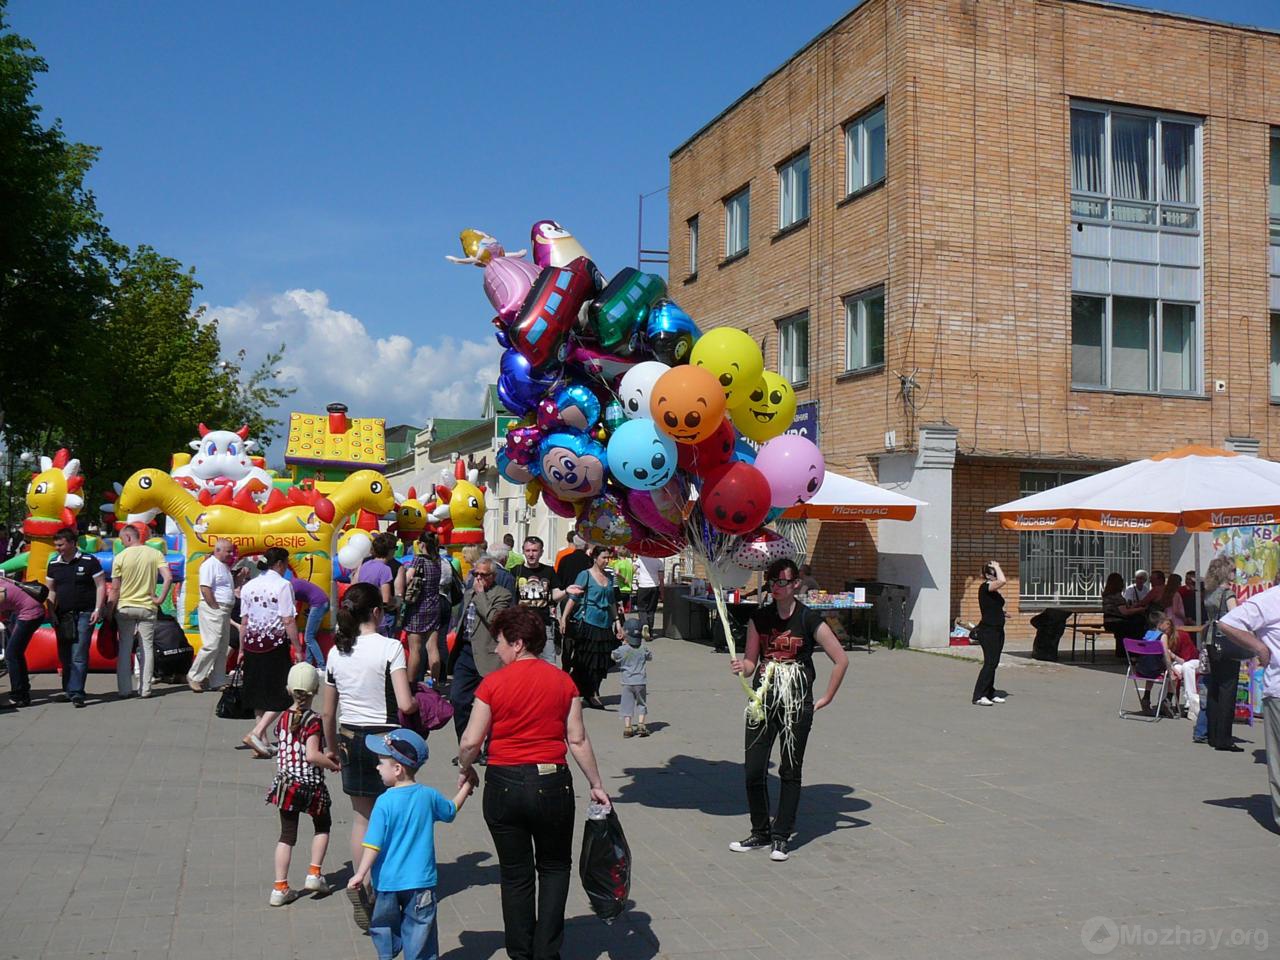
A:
507,278
572,465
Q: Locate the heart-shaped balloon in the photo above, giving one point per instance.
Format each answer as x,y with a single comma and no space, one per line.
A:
646,511
758,550
522,444
519,388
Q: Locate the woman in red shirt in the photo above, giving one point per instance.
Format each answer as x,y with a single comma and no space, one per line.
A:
532,716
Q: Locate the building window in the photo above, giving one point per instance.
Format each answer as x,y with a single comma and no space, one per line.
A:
1275,186
793,348
693,246
1135,345
793,191
1134,167
737,223
864,330
1070,567
864,151
1275,356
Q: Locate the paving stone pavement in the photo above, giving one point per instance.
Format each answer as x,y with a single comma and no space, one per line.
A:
927,826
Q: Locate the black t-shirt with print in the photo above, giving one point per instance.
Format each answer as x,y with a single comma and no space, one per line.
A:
533,587
73,581
790,639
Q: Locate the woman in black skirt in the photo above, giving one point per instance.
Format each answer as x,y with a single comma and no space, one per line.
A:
366,681
598,627
269,632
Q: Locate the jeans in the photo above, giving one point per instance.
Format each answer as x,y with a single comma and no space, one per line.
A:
549,651
462,688
759,745
992,640
405,920
1201,730
142,622
315,655
530,817
15,654
1224,675
75,633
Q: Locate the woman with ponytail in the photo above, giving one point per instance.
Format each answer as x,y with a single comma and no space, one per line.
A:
365,683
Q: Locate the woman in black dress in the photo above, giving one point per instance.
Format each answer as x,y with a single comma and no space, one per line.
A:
990,633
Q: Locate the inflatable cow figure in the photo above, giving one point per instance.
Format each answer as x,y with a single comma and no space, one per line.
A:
222,459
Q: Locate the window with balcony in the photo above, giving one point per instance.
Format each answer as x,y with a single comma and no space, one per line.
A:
793,348
793,191
693,246
1136,345
737,223
1134,167
864,151
864,330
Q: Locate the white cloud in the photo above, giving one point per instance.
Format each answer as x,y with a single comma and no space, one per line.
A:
331,356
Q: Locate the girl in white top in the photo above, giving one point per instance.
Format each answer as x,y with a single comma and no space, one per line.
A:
365,680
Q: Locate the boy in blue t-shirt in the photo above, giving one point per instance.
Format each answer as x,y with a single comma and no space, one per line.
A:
400,849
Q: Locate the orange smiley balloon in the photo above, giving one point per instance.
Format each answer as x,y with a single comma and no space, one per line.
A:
687,404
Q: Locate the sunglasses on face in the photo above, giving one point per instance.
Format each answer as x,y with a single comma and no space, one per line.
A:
485,576
782,581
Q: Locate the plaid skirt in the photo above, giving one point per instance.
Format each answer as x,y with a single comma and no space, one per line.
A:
425,615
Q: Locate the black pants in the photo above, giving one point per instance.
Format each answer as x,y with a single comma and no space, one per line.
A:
462,688
992,640
647,605
1223,677
1127,628
759,745
530,817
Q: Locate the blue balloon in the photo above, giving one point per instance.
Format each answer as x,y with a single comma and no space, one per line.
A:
519,388
572,465
517,473
670,332
744,451
642,457
773,514
576,408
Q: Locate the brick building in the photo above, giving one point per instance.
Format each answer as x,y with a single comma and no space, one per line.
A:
997,245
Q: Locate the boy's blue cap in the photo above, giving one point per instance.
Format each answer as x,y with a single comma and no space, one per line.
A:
401,745
633,629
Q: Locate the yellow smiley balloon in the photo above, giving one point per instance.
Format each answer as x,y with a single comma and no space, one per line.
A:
769,410
733,358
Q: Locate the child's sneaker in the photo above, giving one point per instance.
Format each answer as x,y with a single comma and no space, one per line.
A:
360,906
316,883
628,733
281,897
644,730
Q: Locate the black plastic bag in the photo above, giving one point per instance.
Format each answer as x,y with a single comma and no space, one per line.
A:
604,866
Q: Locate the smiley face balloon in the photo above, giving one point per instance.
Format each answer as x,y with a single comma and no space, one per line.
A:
641,457
733,358
687,404
636,388
769,410
572,466
735,499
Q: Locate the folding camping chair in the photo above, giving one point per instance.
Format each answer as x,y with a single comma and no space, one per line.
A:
1136,649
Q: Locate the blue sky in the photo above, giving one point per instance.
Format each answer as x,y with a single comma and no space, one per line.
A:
315,161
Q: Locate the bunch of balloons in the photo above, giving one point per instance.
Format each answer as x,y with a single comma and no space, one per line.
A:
648,432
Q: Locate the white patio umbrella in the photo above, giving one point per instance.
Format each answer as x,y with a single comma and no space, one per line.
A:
844,498
1195,488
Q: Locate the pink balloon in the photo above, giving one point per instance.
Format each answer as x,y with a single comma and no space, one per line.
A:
640,504
561,508
507,281
794,468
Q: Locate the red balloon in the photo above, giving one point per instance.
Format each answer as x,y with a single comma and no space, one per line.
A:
711,454
656,547
735,498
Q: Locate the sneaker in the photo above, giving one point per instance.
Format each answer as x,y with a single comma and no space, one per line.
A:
756,841
983,702
646,633
281,897
360,906
997,699
628,733
316,883
779,851
644,730
77,702
1199,739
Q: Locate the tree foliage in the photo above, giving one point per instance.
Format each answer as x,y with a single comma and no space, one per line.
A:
102,348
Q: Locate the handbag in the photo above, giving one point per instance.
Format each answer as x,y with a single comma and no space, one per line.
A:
33,589
413,587
231,705
109,638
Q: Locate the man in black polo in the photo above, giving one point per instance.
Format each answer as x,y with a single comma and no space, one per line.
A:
536,588
77,590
